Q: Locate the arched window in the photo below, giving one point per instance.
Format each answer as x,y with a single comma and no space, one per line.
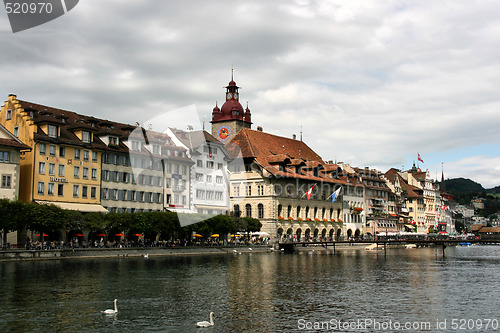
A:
289,210
298,211
237,212
260,208
280,209
248,210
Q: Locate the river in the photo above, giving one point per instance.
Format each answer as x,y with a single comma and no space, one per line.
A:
310,291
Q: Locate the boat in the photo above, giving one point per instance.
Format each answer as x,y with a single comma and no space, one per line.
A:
411,246
465,244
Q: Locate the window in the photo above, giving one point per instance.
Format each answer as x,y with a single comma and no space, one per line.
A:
8,115
41,188
261,211
249,190
75,190
210,164
6,180
237,211
53,131
248,210
93,191
52,169
60,190
42,148
86,136
16,131
218,196
77,154
61,170
52,150
209,178
156,149
95,157
76,171
236,190
86,155
84,191
4,156
50,189
219,166
199,163
41,168
218,179
62,151
135,145
199,177
85,173
176,168
260,189
184,170
113,140
200,194
94,174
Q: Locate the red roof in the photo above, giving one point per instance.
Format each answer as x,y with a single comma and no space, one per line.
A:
282,157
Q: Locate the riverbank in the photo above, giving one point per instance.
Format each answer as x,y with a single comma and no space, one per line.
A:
79,253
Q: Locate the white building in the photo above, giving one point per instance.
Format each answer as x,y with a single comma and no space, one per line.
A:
209,173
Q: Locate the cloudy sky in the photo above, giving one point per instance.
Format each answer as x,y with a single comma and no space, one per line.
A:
369,83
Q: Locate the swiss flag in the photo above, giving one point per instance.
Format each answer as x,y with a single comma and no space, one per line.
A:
420,158
309,192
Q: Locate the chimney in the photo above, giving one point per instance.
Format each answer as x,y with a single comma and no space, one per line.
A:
259,128
294,137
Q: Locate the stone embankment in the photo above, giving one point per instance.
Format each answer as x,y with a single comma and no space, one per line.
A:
13,255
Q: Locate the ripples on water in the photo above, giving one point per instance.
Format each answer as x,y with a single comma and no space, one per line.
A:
254,292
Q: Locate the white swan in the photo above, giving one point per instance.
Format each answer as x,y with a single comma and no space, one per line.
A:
111,311
206,323
146,256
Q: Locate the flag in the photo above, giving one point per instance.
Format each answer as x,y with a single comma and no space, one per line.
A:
420,158
335,194
412,221
309,192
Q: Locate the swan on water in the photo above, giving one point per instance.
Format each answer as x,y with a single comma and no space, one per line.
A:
206,323
146,256
111,311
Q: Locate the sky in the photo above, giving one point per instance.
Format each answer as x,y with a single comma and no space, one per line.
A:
369,83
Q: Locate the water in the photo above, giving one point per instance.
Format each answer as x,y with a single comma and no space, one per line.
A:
256,292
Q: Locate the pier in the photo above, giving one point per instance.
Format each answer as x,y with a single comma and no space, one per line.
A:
290,247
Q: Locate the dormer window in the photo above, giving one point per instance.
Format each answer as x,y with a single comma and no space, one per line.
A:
52,131
86,136
135,145
113,140
8,115
156,149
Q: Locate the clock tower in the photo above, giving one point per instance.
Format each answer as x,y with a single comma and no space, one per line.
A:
230,118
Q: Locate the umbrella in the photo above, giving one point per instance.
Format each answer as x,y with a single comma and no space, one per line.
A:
79,235
101,235
215,235
197,235
138,235
120,235
45,235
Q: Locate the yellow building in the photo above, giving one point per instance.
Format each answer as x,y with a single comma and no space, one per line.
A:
64,165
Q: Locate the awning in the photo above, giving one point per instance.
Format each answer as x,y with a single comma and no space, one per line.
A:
410,226
86,208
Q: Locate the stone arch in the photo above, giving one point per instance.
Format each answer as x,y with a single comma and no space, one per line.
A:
339,233
307,234
357,233
349,233
298,233
316,233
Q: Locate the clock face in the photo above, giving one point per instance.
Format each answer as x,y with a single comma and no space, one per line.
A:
229,95
223,133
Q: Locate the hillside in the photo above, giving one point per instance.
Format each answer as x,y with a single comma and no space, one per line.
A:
462,186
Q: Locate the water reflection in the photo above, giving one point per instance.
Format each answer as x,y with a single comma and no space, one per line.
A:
257,292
